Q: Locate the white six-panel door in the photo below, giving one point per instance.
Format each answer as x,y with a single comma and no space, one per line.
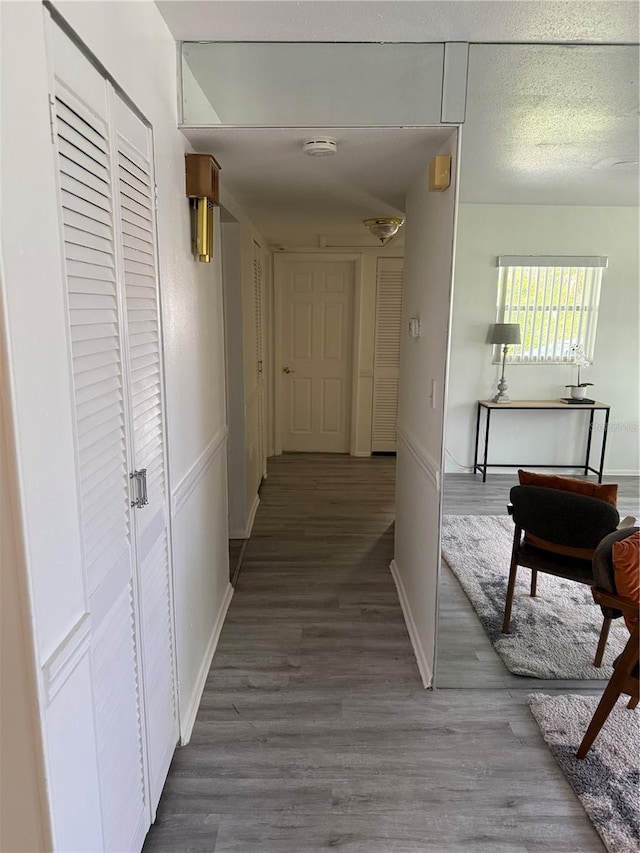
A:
103,154
316,323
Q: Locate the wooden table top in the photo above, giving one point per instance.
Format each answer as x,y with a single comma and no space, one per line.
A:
542,404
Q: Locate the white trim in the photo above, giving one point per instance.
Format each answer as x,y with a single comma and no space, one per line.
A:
421,659
252,398
189,717
252,516
63,662
197,471
421,456
245,532
621,472
362,453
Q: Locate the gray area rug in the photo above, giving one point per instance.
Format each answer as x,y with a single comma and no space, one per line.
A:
553,635
606,781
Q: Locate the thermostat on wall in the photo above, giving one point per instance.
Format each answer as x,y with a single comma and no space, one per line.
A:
414,327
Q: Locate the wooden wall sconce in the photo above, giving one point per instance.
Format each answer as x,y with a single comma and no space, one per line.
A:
203,190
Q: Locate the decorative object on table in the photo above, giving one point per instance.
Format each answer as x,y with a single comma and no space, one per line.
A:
579,358
505,334
606,781
552,636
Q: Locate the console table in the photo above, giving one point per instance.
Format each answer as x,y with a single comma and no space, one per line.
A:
488,406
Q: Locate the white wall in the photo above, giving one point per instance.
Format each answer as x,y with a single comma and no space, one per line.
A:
246,465
488,230
427,287
133,44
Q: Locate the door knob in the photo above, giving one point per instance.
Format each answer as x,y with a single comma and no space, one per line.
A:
288,370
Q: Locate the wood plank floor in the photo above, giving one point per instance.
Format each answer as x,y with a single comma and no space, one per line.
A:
314,732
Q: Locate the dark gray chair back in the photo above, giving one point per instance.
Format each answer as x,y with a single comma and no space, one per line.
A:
565,518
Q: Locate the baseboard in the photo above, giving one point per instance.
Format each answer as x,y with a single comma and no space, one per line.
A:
421,658
187,722
252,516
238,533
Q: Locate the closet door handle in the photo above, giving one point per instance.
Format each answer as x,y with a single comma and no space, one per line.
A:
144,499
139,480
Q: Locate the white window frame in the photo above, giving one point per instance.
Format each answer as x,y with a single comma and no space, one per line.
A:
549,301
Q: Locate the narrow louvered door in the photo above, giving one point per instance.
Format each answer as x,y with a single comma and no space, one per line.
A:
257,300
136,218
386,369
86,185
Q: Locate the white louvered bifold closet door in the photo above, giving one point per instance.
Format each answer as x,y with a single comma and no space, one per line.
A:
106,187
136,221
257,301
87,214
386,364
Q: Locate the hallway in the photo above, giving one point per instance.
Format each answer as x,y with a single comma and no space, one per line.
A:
314,731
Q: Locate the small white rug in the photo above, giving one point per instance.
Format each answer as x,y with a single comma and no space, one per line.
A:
553,635
607,781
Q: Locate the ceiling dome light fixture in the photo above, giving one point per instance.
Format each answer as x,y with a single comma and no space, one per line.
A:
384,227
321,147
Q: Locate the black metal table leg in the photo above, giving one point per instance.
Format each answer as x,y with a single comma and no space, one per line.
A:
604,444
586,461
486,446
475,455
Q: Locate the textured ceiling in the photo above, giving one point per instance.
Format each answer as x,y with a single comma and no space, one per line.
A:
293,198
547,124
441,20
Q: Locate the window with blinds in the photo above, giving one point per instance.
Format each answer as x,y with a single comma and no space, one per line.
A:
555,302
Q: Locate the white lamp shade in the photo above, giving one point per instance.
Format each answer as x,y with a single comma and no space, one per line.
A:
504,333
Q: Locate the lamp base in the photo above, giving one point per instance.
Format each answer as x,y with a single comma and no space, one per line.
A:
501,398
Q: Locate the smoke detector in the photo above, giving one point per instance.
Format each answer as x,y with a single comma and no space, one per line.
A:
321,147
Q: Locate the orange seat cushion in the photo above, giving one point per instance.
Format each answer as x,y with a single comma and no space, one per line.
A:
625,556
601,491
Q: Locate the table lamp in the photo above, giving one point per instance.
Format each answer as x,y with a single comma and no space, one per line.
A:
506,334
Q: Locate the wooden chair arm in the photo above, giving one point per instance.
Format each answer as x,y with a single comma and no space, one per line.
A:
610,599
